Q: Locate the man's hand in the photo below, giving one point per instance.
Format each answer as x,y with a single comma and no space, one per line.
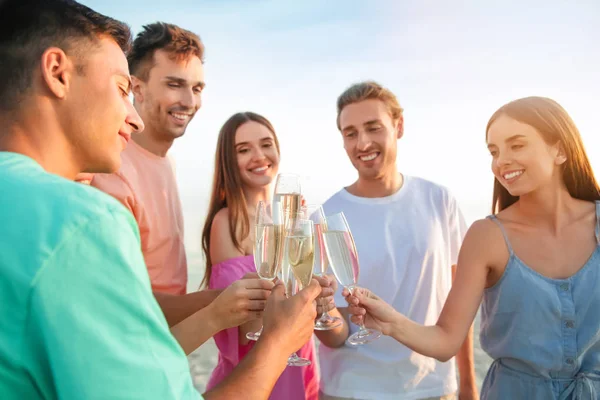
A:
242,301
289,323
376,313
325,301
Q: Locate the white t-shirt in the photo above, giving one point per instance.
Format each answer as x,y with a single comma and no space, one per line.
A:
407,244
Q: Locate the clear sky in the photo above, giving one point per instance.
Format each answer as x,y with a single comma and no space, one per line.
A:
451,66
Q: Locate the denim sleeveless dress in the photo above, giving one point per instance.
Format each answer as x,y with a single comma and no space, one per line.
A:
543,334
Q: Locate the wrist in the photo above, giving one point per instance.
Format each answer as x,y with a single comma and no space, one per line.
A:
212,319
397,326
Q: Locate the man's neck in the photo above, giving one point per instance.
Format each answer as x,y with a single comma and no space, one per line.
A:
383,186
147,141
32,138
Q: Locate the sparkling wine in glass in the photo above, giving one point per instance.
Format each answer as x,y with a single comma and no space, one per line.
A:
288,192
268,245
297,266
315,213
343,259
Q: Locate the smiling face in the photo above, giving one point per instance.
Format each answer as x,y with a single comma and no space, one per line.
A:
171,96
257,155
522,161
97,115
370,137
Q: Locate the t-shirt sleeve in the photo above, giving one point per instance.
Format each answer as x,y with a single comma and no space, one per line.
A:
92,313
457,228
117,186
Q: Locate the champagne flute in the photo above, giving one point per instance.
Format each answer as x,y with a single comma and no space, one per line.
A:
343,258
268,245
298,259
317,216
288,193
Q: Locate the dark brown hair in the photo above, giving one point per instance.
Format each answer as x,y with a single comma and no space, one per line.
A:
369,90
227,188
555,125
179,43
29,27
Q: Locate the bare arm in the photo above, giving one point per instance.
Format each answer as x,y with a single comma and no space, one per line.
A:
192,332
242,301
443,340
255,376
177,308
288,326
465,360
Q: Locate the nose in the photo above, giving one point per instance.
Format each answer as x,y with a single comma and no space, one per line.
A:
502,160
363,141
189,99
258,154
133,120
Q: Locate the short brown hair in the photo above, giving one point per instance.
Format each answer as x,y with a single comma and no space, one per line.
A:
178,42
29,27
369,90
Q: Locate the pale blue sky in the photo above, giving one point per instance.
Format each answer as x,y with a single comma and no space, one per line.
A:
451,66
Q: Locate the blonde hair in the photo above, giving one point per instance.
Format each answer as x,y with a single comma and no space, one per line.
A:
369,90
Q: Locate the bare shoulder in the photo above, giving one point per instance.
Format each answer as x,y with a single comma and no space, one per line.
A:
221,217
485,241
221,243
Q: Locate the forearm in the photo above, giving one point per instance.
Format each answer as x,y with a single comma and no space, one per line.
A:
255,376
465,360
193,331
431,341
177,308
336,337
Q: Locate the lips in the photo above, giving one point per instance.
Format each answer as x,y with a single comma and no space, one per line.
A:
369,156
512,175
260,170
125,136
180,118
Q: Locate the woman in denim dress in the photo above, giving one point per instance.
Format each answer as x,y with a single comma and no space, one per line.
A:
533,265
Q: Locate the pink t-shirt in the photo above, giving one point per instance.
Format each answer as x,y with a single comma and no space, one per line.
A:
295,383
146,185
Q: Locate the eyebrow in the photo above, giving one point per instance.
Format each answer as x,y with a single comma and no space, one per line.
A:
510,139
371,122
127,78
260,140
182,81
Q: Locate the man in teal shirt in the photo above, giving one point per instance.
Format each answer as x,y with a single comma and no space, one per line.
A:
77,315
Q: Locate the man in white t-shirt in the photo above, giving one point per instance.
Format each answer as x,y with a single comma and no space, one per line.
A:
408,232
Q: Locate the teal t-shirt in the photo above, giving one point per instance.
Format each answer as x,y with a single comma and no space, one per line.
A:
77,316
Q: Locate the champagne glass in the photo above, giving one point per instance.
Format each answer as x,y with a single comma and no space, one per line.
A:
315,213
288,193
343,258
298,260
268,245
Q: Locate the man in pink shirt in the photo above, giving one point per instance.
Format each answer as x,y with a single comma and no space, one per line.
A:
167,72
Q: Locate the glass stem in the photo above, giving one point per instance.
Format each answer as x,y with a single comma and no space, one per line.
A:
352,290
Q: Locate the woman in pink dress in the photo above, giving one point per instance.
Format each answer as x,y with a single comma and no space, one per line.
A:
246,162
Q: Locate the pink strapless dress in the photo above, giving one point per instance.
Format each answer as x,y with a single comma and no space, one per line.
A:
295,383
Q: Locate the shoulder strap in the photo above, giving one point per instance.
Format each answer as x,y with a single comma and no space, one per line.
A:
493,218
598,221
